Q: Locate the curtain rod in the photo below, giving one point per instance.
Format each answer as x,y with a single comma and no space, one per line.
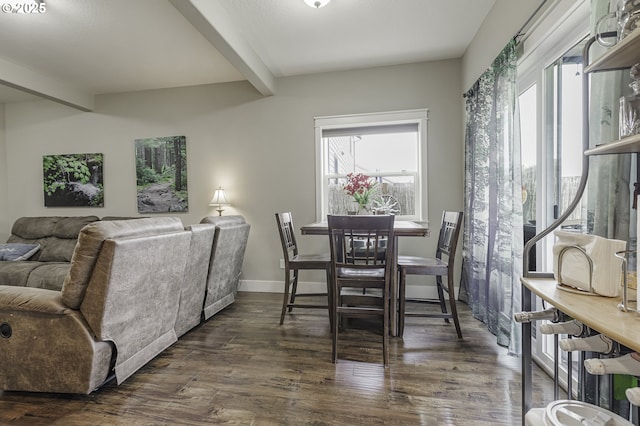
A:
520,33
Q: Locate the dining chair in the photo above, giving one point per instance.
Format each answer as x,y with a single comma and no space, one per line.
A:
440,265
294,262
369,237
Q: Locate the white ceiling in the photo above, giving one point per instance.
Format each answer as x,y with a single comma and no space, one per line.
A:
80,48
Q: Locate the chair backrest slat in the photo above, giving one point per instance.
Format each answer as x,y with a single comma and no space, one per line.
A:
449,232
287,235
362,240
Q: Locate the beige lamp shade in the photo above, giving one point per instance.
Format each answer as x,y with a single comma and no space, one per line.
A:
219,199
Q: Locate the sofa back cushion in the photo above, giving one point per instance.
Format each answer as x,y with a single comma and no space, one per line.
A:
224,220
56,235
227,255
194,283
90,243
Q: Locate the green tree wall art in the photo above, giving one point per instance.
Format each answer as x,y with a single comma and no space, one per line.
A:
161,174
73,180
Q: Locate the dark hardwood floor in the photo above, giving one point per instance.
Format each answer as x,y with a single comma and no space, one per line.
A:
241,367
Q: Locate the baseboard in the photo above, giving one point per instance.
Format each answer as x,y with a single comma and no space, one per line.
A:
258,286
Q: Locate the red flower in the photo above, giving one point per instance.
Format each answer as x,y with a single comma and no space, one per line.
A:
359,186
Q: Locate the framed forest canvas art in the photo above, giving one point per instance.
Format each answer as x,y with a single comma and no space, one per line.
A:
73,180
161,174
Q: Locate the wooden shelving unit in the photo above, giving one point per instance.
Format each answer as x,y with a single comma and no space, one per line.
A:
623,146
622,55
623,327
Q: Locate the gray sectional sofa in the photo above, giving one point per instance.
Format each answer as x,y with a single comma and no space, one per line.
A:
131,289
229,243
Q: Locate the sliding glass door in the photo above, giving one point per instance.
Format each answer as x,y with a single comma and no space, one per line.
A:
550,103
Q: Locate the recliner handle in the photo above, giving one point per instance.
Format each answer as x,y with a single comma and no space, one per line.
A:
5,330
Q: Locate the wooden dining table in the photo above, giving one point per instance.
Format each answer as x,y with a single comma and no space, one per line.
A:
401,228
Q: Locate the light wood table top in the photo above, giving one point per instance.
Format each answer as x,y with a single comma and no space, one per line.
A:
597,312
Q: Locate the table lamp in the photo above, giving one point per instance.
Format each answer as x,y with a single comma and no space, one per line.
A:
219,199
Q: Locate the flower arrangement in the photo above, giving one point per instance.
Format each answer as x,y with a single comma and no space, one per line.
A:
360,187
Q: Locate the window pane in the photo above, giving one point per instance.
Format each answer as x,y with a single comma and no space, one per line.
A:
372,153
564,132
388,192
386,148
529,141
380,152
392,152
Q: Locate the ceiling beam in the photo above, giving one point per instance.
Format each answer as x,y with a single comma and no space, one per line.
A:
26,80
213,22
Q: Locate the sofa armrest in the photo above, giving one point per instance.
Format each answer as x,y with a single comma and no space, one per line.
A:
31,300
46,346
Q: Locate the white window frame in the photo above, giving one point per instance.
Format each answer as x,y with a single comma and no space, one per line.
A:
417,116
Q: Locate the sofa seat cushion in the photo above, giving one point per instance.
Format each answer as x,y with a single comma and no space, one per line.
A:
47,275
16,273
17,251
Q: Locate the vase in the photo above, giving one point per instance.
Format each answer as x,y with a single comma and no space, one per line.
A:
363,209
630,107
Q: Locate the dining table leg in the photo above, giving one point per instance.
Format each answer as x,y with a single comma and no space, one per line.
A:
331,300
394,290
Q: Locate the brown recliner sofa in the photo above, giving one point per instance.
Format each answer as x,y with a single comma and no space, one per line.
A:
56,237
116,311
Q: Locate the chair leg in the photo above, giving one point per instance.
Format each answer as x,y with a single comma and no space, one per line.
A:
443,305
385,331
287,275
294,290
402,301
452,302
336,320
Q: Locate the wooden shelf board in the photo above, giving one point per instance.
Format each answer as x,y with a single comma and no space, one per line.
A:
627,145
597,312
623,55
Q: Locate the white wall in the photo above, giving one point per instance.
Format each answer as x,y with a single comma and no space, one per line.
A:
261,149
502,23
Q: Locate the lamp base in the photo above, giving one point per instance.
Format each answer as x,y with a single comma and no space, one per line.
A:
219,211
